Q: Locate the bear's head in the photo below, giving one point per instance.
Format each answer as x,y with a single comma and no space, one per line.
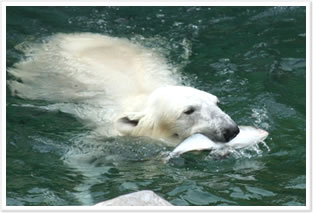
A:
173,113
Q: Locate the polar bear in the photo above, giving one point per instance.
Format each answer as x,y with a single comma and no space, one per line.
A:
119,87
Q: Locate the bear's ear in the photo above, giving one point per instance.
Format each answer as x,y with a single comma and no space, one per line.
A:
127,123
213,98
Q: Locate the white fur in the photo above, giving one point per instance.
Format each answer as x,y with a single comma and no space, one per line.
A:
119,87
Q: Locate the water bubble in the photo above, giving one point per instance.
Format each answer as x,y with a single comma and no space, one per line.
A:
160,15
260,115
177,24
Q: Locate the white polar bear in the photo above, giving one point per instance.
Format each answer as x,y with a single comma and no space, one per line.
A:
119,87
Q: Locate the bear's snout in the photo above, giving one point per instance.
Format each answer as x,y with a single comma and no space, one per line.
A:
230,133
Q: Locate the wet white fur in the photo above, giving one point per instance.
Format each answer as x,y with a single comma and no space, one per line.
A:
115,86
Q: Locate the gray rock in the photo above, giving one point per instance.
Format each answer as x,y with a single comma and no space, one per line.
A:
141,198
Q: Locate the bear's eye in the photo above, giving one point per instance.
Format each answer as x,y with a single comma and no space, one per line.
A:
190,110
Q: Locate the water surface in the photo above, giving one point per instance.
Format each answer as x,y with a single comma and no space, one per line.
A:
252,58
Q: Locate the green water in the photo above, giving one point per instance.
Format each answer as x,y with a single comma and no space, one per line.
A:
252,58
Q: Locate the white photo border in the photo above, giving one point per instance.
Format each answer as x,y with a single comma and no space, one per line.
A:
306,208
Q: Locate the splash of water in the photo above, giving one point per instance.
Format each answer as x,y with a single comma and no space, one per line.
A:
247,152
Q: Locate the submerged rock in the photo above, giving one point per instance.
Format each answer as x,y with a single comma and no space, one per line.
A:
141,198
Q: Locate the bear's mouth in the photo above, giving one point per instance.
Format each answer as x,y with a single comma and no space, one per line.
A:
209,136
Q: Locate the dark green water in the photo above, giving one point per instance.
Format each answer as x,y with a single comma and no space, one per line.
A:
252,58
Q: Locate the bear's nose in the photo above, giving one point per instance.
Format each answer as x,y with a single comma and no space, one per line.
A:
230,133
